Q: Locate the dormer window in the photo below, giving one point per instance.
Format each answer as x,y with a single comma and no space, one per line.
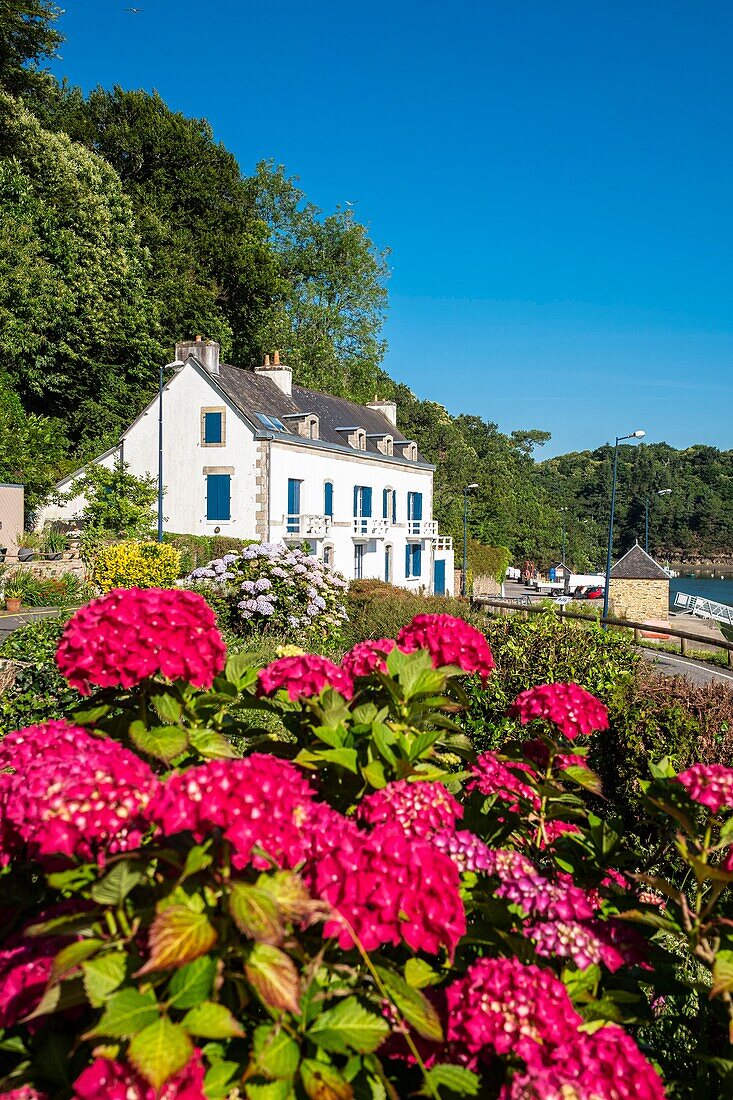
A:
408,449
356,437
307,425
383,442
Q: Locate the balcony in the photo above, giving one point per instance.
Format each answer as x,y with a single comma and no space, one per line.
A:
366,527
443,542
299,525
422,528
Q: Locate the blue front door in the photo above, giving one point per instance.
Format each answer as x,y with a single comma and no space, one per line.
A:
439,577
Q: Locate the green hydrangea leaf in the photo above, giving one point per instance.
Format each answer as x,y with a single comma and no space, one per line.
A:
102,975
275,1054
349,1026
162,742
159,1051
256,913
192,984
324,1082
457,1079
117,883
211,1021
413,1005
127,1013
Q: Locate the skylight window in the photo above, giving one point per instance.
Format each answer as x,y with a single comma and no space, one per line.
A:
272,422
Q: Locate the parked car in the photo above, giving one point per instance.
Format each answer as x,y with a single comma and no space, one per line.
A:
595,592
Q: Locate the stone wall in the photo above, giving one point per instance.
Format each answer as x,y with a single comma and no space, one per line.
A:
639,600
46,569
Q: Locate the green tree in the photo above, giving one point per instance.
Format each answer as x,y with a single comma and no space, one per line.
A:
335,298
78,326
116,501
211,265
31,447
27,38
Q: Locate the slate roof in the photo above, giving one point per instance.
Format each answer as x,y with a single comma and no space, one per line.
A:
637,565
256,393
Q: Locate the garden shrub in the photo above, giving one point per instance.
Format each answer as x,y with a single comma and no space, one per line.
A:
274,589
37,692
378,610
133,564
542,650
197,550
339,917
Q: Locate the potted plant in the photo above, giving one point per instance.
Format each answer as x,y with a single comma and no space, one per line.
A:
28,545
13,596
53,544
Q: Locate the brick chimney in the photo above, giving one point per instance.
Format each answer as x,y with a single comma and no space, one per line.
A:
206,353
278,372
386,407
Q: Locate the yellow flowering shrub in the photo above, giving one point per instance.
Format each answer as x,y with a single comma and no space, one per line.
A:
134,564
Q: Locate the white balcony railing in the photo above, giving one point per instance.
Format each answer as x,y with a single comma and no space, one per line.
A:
443,542
422,528
369,527
301,525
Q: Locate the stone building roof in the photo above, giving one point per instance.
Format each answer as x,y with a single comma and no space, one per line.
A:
637,565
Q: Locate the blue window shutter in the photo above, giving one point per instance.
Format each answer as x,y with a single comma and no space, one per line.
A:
385,503
417,505
212,427
394,506
328,499
408,560
218,496
293,525
356,499
366,500
417,560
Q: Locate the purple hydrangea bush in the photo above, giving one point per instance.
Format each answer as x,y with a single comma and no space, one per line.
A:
278,588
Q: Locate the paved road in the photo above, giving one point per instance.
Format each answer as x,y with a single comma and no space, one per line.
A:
9,623
668,664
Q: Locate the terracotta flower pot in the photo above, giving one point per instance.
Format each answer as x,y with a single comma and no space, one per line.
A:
12,604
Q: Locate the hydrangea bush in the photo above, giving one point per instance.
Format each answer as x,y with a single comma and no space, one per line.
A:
283,590
373,912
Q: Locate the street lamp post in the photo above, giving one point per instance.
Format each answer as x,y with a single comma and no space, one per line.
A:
176,364
660,493
468,489
563,511
638,434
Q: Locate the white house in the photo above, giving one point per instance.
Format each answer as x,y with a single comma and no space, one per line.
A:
247,453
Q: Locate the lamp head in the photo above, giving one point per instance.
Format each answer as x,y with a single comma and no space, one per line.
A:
473,485
638,434
663,492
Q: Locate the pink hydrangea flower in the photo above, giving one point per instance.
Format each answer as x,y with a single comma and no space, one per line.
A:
449,641
389,887
554,829
366,657
259,802
116,1081
502,1005
25,1092
494,776
131,634
70,793
25,967
571,708
604,1065
467,851
304,677
421,808
709,784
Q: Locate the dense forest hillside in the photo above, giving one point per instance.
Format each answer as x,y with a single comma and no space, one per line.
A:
125,226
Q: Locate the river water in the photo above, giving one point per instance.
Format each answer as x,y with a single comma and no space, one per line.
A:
712,588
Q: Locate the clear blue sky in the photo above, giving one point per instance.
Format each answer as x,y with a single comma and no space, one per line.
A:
554,180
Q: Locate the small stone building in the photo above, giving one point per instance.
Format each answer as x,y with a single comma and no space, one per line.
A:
11,517
639,587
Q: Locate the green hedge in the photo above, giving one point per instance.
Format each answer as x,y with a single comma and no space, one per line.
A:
197,550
